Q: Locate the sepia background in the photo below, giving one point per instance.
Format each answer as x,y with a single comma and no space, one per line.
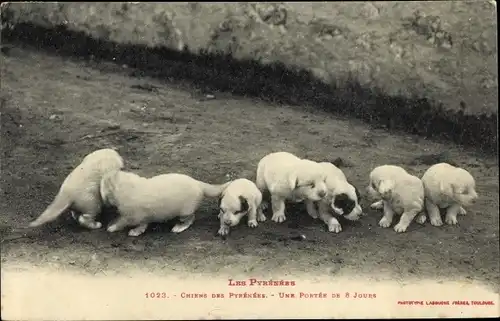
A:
410,84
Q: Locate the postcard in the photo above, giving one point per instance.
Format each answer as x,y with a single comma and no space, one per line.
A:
184,161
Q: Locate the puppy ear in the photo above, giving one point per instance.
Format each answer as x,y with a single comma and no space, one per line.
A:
385,188
244,204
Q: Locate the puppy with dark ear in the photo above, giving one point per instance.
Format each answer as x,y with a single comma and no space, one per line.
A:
240,198
398,192
342,199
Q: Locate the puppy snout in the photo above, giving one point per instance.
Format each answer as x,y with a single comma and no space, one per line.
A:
322,194
227,222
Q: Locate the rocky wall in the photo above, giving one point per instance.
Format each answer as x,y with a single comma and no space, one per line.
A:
445,52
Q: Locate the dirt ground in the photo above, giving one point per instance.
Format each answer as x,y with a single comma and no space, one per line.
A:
54,111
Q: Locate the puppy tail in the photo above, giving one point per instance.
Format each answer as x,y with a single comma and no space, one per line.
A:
210,190
60,204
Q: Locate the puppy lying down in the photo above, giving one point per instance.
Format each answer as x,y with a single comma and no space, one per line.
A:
141,200
400,193
448,187
342,198
241,197
79,192
288,177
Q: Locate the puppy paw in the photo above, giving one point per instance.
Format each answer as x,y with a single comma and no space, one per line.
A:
253,223
223,231
95,225
334,227
88,222
451,220
261,218
377,205
112,228
179,228
421,219
462,211
134,232
436,221
384,222
278,218
400,228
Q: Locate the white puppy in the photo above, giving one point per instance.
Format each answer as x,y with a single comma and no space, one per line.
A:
288,177
141,200
240,198
342,197
80,190
448,187
400,193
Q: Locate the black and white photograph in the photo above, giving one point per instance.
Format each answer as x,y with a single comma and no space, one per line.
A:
249,160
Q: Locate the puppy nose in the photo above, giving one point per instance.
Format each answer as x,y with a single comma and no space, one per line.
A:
227,222
321,193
